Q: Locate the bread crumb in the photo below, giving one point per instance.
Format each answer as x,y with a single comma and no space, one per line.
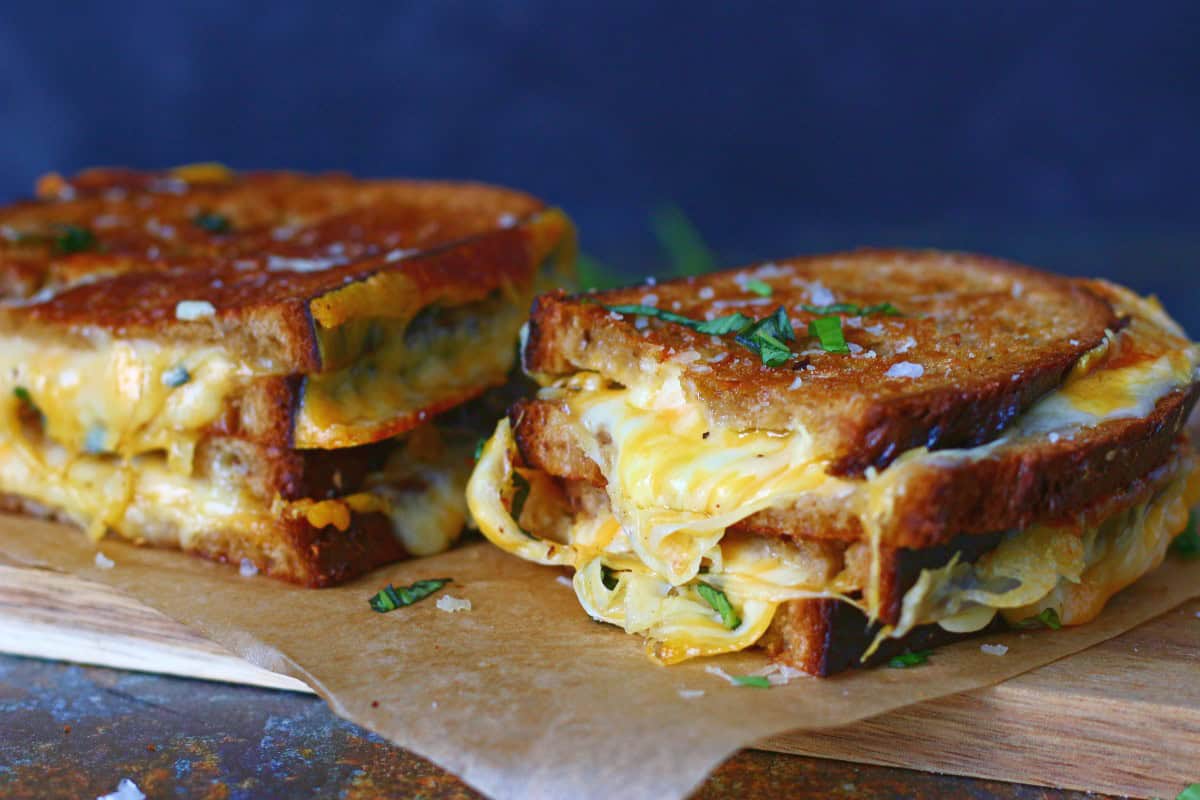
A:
450,604
104,562
188,310
994,649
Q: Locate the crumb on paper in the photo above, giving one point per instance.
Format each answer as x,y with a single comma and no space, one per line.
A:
691,694
565,581
779,674
247,569
126,790
104,562
720,673
450,604
994,649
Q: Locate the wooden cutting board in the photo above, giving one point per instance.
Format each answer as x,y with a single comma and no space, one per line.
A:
1122,717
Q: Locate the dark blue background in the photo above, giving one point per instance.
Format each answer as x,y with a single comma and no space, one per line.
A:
1061,133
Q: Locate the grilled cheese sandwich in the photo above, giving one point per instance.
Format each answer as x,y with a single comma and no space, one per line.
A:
262,383
680,486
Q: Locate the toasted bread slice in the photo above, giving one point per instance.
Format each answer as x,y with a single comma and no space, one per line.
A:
987,337
322,312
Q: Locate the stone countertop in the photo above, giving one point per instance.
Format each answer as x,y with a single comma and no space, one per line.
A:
72,731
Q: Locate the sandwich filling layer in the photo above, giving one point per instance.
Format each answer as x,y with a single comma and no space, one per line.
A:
676,480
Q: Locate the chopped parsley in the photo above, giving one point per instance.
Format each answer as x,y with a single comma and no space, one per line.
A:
828,331
1190,793
390,598
887,309
763,337
760,288
479,445
1047,619
212,222
608,577
176,376
520,494
768,336
74,239
756,681
26,400
1187,543
683,244
720,603
913,658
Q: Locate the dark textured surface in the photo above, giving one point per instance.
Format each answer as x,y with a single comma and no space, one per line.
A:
70,731
1036,131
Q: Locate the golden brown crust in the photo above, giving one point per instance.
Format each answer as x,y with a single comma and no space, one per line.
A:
990,337
287,549
300,251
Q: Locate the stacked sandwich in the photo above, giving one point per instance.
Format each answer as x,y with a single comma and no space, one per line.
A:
841,457
247,367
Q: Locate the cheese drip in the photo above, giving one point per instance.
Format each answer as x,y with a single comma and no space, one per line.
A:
1075,572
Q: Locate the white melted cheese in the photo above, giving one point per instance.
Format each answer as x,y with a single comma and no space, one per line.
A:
676,482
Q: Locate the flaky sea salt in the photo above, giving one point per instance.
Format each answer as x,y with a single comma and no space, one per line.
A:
994,649
247,569
691,694
905,369
104,562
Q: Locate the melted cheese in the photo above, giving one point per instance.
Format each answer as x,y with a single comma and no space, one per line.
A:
676,481
404,367
120,397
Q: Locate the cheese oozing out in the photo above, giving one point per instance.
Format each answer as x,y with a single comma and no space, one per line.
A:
676,482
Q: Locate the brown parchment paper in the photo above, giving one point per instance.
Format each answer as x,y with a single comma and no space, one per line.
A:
524,696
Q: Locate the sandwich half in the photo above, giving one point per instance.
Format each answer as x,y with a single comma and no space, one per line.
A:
841,457
248,366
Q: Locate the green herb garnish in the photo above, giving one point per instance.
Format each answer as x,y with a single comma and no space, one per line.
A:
212,222
765,337
1187,543
887,309
608,577
757,681
828,330
720,603
913,658
1190,793
176,376
390,598
74,239
479,445
26,400
760,288
520,494
1048,618
685,248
